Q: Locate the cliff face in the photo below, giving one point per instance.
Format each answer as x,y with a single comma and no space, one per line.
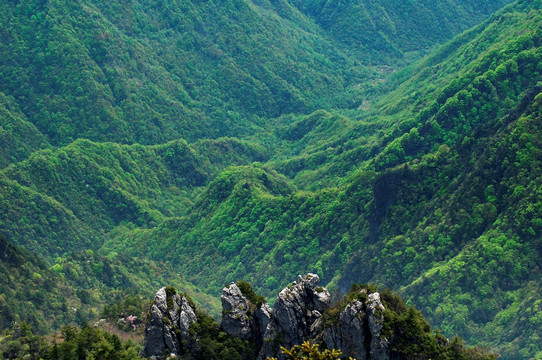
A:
296,316
357,334
167,332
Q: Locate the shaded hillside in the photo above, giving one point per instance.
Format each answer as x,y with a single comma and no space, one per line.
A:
70,198
76,287
18,137
385,30
151,73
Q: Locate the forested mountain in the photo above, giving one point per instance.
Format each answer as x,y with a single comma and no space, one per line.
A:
150,73
69,198
384,30
265,139
76,287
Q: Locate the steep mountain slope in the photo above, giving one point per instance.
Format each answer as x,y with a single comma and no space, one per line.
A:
153,73
187,69
18,137
76,287
384,30
325,147
69,198
448,208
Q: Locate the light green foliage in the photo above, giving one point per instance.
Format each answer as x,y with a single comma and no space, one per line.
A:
420,219
80,191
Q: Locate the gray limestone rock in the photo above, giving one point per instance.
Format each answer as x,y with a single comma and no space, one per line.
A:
168,329
349,334
154,338
237,313
160,300
187,317
357,333
296,315
375,313
263,315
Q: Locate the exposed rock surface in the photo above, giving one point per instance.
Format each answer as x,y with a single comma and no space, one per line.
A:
349,334
168,329
242,318
295,317
237,313
357,334
379,347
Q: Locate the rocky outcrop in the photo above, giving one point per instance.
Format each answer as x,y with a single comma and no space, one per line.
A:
349,334
167,332
295,317
379,346
357,332
237,313
243,319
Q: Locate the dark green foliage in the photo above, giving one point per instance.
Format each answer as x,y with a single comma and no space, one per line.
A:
73,289
384,30
31,293
77,343
129,305
18,137
214,344
250,294
158,72
409,335
87,342
170,292
20,343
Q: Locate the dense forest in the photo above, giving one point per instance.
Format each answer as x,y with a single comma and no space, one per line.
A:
192,143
